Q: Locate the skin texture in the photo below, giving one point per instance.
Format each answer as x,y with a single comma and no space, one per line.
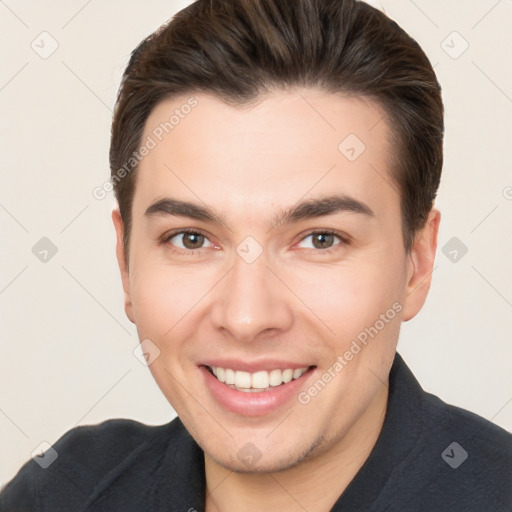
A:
294,302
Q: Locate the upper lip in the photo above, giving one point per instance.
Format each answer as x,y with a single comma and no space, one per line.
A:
254,366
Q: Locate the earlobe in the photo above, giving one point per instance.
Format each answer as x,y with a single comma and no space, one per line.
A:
123,264
421,264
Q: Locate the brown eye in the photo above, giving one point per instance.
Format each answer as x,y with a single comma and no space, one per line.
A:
193,240
186,240
324,241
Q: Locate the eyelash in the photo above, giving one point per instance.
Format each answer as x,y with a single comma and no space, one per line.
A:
168,236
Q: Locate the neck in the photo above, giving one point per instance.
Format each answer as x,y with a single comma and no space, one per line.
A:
314,484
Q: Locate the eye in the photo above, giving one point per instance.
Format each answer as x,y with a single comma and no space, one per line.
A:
190,240
322,240
187,239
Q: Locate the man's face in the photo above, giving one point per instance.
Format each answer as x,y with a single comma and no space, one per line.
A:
248,294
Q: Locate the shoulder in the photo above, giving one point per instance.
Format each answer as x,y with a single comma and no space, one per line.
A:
491,440
443,457
79,461
473,456
106,441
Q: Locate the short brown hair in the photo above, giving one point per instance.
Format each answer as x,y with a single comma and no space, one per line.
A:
239,49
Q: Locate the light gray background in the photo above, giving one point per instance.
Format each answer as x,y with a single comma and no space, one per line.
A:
66,346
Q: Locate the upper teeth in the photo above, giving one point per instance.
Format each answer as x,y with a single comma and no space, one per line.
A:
259,380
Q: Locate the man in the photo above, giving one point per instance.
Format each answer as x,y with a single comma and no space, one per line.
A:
275,164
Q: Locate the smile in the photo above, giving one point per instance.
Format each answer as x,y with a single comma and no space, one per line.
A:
256,393
255,382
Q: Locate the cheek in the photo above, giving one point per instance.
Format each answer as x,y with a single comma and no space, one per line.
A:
168,300
159,299
164,301
351,297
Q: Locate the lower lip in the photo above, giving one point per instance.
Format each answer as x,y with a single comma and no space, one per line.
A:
253,404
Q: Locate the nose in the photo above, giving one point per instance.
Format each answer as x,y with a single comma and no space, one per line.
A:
252,302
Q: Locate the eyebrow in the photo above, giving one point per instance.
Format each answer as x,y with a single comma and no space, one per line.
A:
308,209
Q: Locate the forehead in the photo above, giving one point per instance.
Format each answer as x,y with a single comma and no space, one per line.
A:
287,147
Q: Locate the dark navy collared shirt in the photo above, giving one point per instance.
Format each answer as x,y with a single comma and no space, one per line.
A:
429,457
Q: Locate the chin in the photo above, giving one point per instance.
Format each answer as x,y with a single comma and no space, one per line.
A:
249,459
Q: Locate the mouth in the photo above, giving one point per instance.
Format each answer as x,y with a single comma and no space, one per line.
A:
256,382
255,393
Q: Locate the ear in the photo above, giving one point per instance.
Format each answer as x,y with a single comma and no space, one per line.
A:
123,265
420,265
